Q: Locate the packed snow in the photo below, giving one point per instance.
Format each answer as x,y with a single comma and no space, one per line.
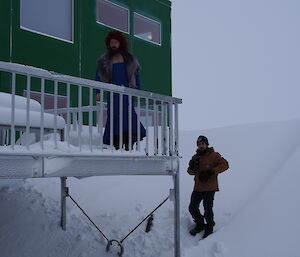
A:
20,115
256,210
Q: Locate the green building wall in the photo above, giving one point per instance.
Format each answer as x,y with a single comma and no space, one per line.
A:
80,57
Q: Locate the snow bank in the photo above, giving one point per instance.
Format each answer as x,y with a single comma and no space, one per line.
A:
20,102
21,114
256,210
34,118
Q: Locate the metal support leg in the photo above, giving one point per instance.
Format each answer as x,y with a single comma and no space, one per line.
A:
63,181
176,211
1,136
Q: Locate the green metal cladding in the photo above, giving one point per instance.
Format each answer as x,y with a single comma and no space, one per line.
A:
80,57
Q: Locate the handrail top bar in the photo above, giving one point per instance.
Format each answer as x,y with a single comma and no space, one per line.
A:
45,74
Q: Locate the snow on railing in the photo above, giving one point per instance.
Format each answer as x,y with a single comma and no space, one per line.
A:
69,104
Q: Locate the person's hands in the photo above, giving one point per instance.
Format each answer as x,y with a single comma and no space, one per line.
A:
205,175
192,164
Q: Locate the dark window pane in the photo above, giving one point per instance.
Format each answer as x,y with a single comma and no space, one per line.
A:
51,18
113,15
147,29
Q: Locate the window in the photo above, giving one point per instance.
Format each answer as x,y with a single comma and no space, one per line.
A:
147,29
48,17
113,15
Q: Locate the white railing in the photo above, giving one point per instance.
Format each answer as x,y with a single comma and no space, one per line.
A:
84,119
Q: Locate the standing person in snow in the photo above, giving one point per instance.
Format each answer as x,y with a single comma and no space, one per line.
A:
119,67
205,165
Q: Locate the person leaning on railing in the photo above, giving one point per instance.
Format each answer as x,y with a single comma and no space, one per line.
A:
119,67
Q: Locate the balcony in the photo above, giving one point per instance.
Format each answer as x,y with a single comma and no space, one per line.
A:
52,126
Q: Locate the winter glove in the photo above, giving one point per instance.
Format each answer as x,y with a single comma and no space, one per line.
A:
204,176
192,164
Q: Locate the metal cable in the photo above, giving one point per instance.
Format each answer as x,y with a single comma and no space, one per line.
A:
67,194
88,217
144,219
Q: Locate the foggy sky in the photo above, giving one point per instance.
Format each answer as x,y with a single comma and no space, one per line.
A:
236,61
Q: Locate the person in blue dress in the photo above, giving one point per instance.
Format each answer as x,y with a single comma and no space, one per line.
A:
119,67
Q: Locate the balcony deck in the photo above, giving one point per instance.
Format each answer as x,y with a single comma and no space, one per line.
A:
40,151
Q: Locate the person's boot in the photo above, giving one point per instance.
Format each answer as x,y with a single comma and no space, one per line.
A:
197,229
208,230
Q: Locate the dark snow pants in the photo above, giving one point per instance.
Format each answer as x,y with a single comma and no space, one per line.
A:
208,202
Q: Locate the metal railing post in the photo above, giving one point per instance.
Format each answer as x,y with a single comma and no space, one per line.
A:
101,120
91,119
147,126
111,119
130,122
162,129
155,128
68,114
79,116
63,188
121,121
176,130
42,113
138,123
28,112
55,112
13,94
171,136
176,210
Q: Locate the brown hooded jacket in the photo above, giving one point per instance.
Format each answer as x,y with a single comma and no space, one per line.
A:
211,160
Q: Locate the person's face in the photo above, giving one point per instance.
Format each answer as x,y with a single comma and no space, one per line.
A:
114,44
201,145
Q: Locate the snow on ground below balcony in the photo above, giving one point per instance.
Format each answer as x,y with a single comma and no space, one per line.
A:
256,210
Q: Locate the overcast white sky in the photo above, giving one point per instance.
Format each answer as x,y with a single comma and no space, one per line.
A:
236,61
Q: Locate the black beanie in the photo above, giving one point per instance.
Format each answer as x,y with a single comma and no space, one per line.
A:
202,139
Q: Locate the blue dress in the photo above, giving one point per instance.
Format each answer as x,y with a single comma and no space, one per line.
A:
119,77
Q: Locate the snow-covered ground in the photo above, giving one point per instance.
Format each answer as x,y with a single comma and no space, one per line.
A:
256,211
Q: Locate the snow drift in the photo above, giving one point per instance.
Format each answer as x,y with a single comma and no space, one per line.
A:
256,209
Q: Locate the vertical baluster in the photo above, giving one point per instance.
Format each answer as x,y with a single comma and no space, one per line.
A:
130,122
98,115
101,120
111,119
91,119
121,121
138,122
171,143
42,113
13,108
7,138
28,112
79,116
55,112
162,127
176,130
74,120
68,114
166,127
155,128
147,127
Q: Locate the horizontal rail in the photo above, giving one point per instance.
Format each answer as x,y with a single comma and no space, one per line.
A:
22,166
41,73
